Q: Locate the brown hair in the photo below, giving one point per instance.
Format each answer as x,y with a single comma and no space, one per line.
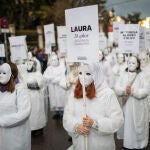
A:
90,91
14,70
10,86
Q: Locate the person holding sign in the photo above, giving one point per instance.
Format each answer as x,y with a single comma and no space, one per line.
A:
133,91
103,113
15,110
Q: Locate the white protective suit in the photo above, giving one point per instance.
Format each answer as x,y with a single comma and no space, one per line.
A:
38,113
119,67
136,125
15,109
104,109
52,75
107,69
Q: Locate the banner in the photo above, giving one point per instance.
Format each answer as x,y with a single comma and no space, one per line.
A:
18,48
116,31
147,38
141,38
129,38
102,41
2,50
49,34
82,34
62,40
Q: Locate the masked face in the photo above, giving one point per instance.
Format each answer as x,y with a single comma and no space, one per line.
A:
133,64
54,61
30,65
143,60
85,76
120,58
5,74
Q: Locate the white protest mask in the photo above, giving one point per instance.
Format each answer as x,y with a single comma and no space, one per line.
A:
132,64
29,65
5,73
54,60
143,59
96,71
120,58
85,75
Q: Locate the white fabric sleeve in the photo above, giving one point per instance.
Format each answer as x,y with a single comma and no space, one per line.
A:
142,90
113,119
48,74
69,121
23,109
119,89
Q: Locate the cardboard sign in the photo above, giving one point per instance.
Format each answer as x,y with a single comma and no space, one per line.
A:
18,48
49,34
2,50
82,34
62,40
129,38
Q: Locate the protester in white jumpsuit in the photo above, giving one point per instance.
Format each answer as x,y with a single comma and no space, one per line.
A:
14,113
103,113
57,96
107,69
132,85
119,67
145,67
35,82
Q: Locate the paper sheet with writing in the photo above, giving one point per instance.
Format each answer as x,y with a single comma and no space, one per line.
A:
82,34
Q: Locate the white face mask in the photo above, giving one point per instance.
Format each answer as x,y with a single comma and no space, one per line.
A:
120,58
29,65
5,73
85,76
132,65
143,60
54,62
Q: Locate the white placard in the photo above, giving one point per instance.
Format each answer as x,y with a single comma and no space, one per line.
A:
49,34
141,38
102,41
147,38
82,34
116,30
62,39
2,50
129,38
18,48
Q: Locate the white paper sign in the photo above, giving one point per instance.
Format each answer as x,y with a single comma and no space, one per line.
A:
102,41
116,31
18,48
147,38
82,34
2,50
62,39
129,38
49,33
141,38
